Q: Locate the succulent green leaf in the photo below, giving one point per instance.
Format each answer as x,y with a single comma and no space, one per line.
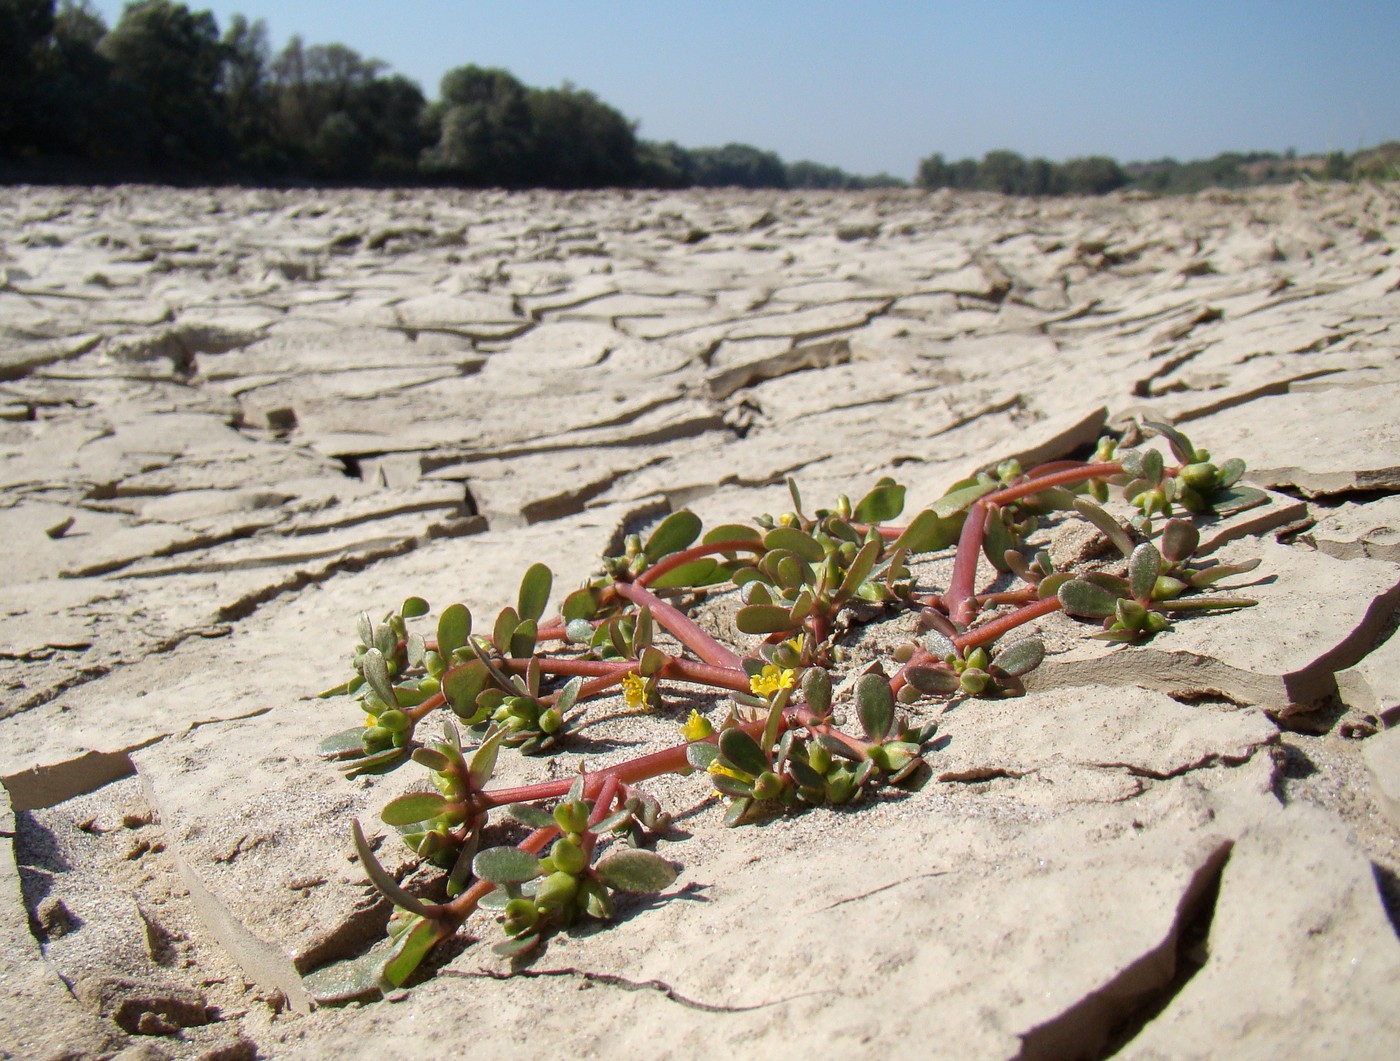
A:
1111,528
742,751
703,572
1179,540
861,567
1050,584
934,681
522,641
795,541
939,644
483,763
1236,499
1180,444
504,630
454,627
462,684
529,814
413,807
875,705
386,640
433,760
927,532
347,744
347,981
636,872
732,532
568,695
764,619
730,786
1131,460
676,532
701,754
1153,467
414,607
534,592
997,541
885,502
1087,599
738,811
960,498
379,763
1143,568
505,865
1020,658
410,949
376,672
364,629
381,878
816,689
1229,473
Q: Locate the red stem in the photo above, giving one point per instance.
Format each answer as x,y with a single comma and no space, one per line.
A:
696,552
681,626
994,629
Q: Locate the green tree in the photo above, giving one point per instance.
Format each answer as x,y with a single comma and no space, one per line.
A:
166,64
738,165
485,129
579,142
25,26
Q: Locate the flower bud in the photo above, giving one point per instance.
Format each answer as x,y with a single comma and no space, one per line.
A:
568,856
556,891
572,817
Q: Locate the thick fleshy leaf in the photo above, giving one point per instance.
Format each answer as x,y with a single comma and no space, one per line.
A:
348,981
1229,473
580,604
377,763
1020,658
816,689
483,763
700,754
501,633
1143,568
414,607
1111,528
1179,540
381,878
997,541
505,865
732,532
347,744
703,572
519,946
636,872
1086,599
522,641
795,541
454,627
413,807
1153,467
410,949
462,684
568,695
935,681
676,532
1236,499
861,567
1180,444
433,760
764,619
939,644
364,628
960,498
927,532
534,592
874,705
885,502
1211,575
376,672
743,751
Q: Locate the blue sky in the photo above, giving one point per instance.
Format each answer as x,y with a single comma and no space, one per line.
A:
877,86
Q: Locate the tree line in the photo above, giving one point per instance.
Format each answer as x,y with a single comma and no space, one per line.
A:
165,94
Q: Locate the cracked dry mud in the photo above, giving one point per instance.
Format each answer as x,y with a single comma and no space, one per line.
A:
232,419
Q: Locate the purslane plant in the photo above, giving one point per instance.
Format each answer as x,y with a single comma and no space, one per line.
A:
803,582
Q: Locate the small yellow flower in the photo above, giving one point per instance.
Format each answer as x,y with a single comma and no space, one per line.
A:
634,691
696,727
718,768
371,720
771,679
